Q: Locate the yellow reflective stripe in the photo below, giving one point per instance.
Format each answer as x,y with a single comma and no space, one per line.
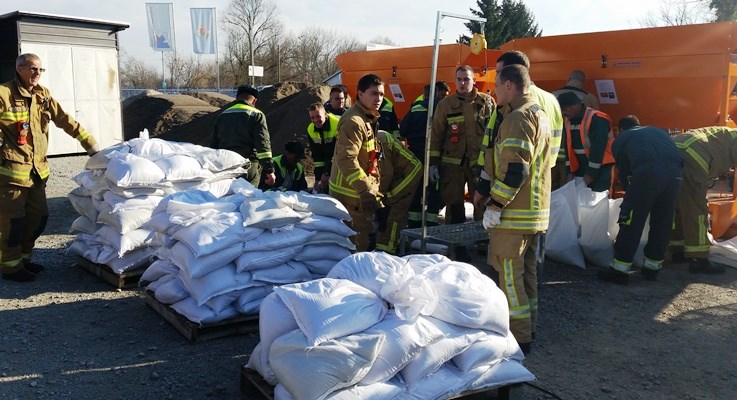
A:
654,265
703,228
83,135
348,192
519,312
355,176
518,143
503,191
516,214
451,160
416,167
621,266
434,153
458,118
414,216
594,165
696,249
369,145
418,108
533,303
15,116
539,225
696,157
263,155
318,164
11,173
676,243
44,173
508,271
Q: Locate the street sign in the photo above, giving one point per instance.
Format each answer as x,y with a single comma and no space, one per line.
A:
255,70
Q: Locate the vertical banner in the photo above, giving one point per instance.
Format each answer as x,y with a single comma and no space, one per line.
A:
160,26
204,30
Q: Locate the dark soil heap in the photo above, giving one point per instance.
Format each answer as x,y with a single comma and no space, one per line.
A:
160,113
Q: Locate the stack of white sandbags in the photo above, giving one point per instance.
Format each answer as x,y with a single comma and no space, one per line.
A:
121,186
221,254
384,327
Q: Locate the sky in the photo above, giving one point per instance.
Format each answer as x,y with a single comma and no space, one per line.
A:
407,22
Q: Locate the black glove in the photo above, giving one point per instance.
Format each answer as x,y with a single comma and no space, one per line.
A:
369,203
382,216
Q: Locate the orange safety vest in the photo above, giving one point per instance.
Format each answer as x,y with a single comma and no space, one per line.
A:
588,115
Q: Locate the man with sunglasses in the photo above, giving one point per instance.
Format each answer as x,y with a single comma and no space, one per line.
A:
26,108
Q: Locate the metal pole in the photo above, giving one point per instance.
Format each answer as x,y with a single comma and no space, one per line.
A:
217,62
250,45
163,71
430,110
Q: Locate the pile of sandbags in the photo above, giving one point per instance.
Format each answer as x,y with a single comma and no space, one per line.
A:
383,327
583,227
221,254
121,186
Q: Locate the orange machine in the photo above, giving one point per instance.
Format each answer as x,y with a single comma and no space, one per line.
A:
406,71
676,78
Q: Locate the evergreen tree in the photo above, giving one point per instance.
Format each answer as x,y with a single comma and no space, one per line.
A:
724,10
505,20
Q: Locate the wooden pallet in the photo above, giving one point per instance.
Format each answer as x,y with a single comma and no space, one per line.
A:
254,387
125,280
195,332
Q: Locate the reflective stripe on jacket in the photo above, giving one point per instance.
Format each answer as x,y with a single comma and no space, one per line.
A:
242,128
400,169
356,138
713,149
322,143
21,110
583,130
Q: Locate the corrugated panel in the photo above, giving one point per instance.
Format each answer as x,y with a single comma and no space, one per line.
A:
64,34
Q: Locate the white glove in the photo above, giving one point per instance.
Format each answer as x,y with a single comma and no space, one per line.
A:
434,173
492,218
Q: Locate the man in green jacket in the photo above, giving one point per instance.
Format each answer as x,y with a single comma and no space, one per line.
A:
242,128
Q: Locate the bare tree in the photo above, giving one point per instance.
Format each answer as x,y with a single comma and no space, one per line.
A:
136,74
189,72
249,26
313,55
386,40
678,12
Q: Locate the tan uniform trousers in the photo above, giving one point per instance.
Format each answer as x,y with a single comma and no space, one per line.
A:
513,256
388,239
22,220
453,180
692,215
362,222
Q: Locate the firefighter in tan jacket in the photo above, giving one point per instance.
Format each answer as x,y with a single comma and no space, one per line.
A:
354,179
458,127
26,108
519,198
401,172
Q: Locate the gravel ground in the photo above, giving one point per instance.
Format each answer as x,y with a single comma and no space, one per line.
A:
71,336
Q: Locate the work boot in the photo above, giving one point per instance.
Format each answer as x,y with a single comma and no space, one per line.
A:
526,347
462,255
704,266
33,267
677,257
650,274
21,275
612,275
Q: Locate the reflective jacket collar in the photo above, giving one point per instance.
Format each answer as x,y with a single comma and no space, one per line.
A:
371,115
470,96
517,103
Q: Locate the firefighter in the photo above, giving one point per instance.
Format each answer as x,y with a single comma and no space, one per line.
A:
575,85
322,132
288,170
388,118
587,142
458,128
401,172
649,167
354,179
707,153
25,111
336,104
518,163
414,129
242,128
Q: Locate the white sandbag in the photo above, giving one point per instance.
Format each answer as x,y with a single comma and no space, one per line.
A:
327,224
202,315
445,383
321,204
100,160
322,252
82,247
281,238
181,167
418,262
154,148
404,341
210,235
724,252
131,260
466,297
506,372
127,242
185,214
222,280
223,301
378,391
83,206
125,220
257,361
410,293
595,241
455,340
313,372
253,260
250,300
129,170
275,319
488,350
130,193
171,291
152,286
197,267
122,203
220,160
84,225
157,269
191,197
289,272
561,240
159,222
320,267
328,308
324,238
267,213
367,269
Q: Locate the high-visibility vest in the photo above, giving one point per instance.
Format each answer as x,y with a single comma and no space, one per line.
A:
323,138
296,173
583,130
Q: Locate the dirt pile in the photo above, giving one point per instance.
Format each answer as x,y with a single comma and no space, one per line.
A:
183,118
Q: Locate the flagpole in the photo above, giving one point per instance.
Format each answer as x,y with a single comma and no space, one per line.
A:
217,63
163,72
